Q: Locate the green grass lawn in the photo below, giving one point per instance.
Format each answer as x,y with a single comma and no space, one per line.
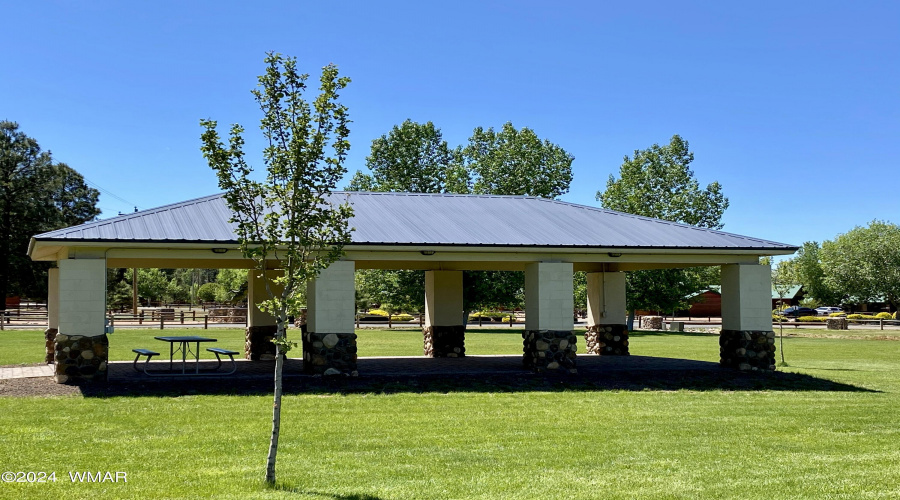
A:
477,443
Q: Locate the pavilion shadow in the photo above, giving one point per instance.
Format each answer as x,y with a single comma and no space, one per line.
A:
490,374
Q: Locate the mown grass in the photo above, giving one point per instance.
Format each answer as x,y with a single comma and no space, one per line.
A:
485,444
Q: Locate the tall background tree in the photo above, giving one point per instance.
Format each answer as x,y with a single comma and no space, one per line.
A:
864,263
658,182
288,219
807,270
517,162
413,157
36,195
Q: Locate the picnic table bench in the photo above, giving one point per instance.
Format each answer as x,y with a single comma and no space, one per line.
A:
184,348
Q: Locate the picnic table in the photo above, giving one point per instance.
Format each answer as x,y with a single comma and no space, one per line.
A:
184,347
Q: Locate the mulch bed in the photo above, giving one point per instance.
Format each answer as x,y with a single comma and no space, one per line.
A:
39,386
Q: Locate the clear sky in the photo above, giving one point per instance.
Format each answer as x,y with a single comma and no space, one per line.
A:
793,106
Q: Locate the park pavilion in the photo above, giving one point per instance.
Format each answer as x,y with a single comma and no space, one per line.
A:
441,234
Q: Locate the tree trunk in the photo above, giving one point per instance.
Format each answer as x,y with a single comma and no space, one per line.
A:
134,292
629,323
5,235
276,409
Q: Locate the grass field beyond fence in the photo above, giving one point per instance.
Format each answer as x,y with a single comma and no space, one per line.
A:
408,443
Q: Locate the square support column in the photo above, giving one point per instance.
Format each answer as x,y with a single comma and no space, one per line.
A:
444,331
747,341
548,339
329,344
81,348
52,315
261,327
606,332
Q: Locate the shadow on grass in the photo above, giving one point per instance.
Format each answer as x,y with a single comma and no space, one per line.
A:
489,374
331,496
659,333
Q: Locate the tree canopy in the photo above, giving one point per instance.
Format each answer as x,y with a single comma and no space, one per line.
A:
36,195
412,157
864,263
658,182
806,269
517,162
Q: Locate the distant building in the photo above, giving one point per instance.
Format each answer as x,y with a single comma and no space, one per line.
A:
708,302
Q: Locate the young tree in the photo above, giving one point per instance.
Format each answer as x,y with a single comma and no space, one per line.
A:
36,195
865,262
290,220
783,278
658,182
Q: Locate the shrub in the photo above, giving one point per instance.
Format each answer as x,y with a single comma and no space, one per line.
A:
209,292
491,315
837,315
379,312
861,316
401,317
883,315
808,319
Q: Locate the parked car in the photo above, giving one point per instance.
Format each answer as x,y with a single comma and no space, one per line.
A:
825,311
797,311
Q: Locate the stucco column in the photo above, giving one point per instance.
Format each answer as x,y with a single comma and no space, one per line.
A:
606,332
81,347
747,341
329,344
261,327
549,340
52,314
444,330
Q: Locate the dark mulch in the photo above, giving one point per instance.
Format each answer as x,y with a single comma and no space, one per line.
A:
36,387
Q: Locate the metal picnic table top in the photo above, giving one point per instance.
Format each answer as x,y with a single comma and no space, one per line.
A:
187,338
185,349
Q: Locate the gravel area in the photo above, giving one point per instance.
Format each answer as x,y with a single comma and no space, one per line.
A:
36,387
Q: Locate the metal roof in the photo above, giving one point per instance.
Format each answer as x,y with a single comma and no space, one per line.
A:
430,219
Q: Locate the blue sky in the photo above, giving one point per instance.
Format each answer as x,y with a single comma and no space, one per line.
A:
793,106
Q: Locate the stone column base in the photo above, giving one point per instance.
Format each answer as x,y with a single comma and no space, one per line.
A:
836,324
747,350
329,353
445,341
81,358
652,323
258,344
608,340
50,345
549,350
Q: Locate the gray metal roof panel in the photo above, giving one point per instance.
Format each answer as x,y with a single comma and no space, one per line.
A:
431,219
